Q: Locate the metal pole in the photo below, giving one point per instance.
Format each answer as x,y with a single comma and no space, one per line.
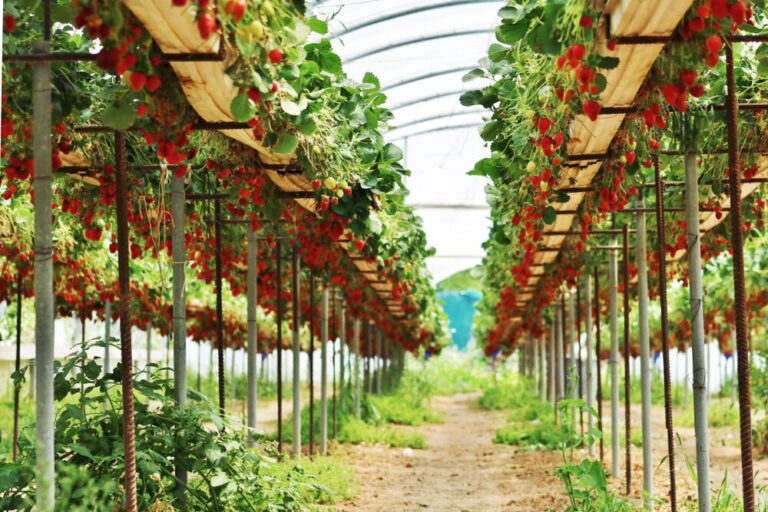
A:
107,334
356,351
179,257
739,289
613,361
627,356
342,341
590,357
296,356
219,307
572,352
334,414
367,356
252,277
379,359
579,365
645,354
560,394
44,307
535,363
324,372
551,365
279,256
598,353
542,367
695,279
129,442
312,362
17,366
661,253
148,339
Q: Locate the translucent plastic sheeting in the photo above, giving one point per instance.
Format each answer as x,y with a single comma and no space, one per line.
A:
440,136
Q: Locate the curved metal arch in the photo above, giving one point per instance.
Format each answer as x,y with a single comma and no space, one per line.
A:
438,117
421,39
431,97
402,14
438,129
427,76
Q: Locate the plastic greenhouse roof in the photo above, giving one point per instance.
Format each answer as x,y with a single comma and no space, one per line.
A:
420,50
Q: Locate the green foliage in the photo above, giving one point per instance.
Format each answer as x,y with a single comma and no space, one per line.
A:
357,431
505,392
323,480
585,482
720,413
468,279
452,373
406,405
225,474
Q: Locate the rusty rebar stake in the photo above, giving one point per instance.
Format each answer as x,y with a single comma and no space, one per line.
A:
661,252
219,306
126,350
739,289
17,367
627,355
597,359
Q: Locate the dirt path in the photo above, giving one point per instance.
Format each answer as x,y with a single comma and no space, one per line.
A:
461,470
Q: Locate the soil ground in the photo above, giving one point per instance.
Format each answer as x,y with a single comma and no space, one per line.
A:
462,470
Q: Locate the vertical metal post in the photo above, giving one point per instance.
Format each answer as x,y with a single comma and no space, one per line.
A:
44,307
552,367
252,277
590,388
645,354
311,354
17,366
380,359
107,334
739,288
178,211
627,357
126,356
148,339
696,297
324,371
296,354
342,341
579,365
219,307
367,356
572,354
334,412
356,351
560,359
662,255
279,299
598,362
613,362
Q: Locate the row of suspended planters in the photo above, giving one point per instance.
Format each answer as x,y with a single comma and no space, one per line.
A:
189,155
600,116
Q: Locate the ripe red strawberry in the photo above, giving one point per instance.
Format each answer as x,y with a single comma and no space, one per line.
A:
348,191
360,245
630,155
141,110
591,109
612,44
719,8
316,184
236,9
688,77
738,12
153,83
714,44
9,23
543,125
275,87
586,21
206,25
138,80
712,60
696,24
254,95
697,91
275,56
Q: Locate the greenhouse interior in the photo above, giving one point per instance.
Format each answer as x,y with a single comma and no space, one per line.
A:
384,255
